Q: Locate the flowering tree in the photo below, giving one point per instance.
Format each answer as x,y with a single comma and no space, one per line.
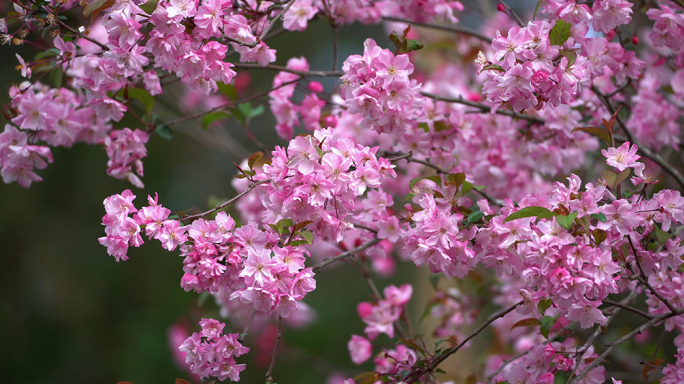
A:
444,158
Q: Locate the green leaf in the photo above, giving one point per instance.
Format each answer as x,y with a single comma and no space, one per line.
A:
493,67
394,38
596,131
228,90
560,33
570,55
467,187
143,95
456,179
308,236
439,370
566,221
600,217
662,236
536,9
610,177
410,45
56,76
526,212
49,52
164,131
525,323
543,305
424,126
434,178
546,323
475,216
622,176
212,117
256,156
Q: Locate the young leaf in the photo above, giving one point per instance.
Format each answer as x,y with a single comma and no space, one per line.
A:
212,117
456,179
475,216
308,236
434,178
409,45
543,305
598,132
493,67
560,33
143,95
600,217
525,323
164,131
570,55
610,177
546,323
526,212
566,221
56,76
599,235
228,90
254,158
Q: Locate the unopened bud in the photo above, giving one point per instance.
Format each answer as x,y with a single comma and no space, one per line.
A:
500,8
635,40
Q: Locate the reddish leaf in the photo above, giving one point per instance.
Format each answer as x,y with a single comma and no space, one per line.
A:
525,323
598,132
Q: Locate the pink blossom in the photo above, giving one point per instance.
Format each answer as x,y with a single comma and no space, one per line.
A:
360,349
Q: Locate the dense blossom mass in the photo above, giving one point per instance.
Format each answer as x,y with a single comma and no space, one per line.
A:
448,158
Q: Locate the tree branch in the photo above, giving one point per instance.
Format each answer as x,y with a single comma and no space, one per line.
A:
225,203
269,378
319,267
482,107
438,360
448,28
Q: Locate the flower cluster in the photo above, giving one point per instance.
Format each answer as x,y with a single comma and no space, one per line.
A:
54,116
534,67
317,179
668,30
125,149
286,112
210,353
376,86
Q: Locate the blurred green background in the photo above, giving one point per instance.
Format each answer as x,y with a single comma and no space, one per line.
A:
70,314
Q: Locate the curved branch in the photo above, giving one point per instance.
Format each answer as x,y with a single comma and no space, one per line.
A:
438,360
482,107
448,28
621,340
318,267
225,203
285,69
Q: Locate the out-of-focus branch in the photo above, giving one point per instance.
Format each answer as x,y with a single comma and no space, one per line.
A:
482,107
225,203
319,267
448,28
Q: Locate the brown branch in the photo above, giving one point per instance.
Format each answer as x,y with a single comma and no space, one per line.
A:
285,69
628,308
229,104
272,22
645,151
269,378
225,203
448,28
241,338
482,107
438,360
319,267
621,340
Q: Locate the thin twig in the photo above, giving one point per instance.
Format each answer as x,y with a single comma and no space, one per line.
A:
249,323
439,359
482,107
319,267
621,340
628,308
272,22
332,73
449,28
269,378
226,203
512,14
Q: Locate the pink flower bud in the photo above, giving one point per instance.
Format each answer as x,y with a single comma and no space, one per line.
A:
315,86
500,8
635,40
